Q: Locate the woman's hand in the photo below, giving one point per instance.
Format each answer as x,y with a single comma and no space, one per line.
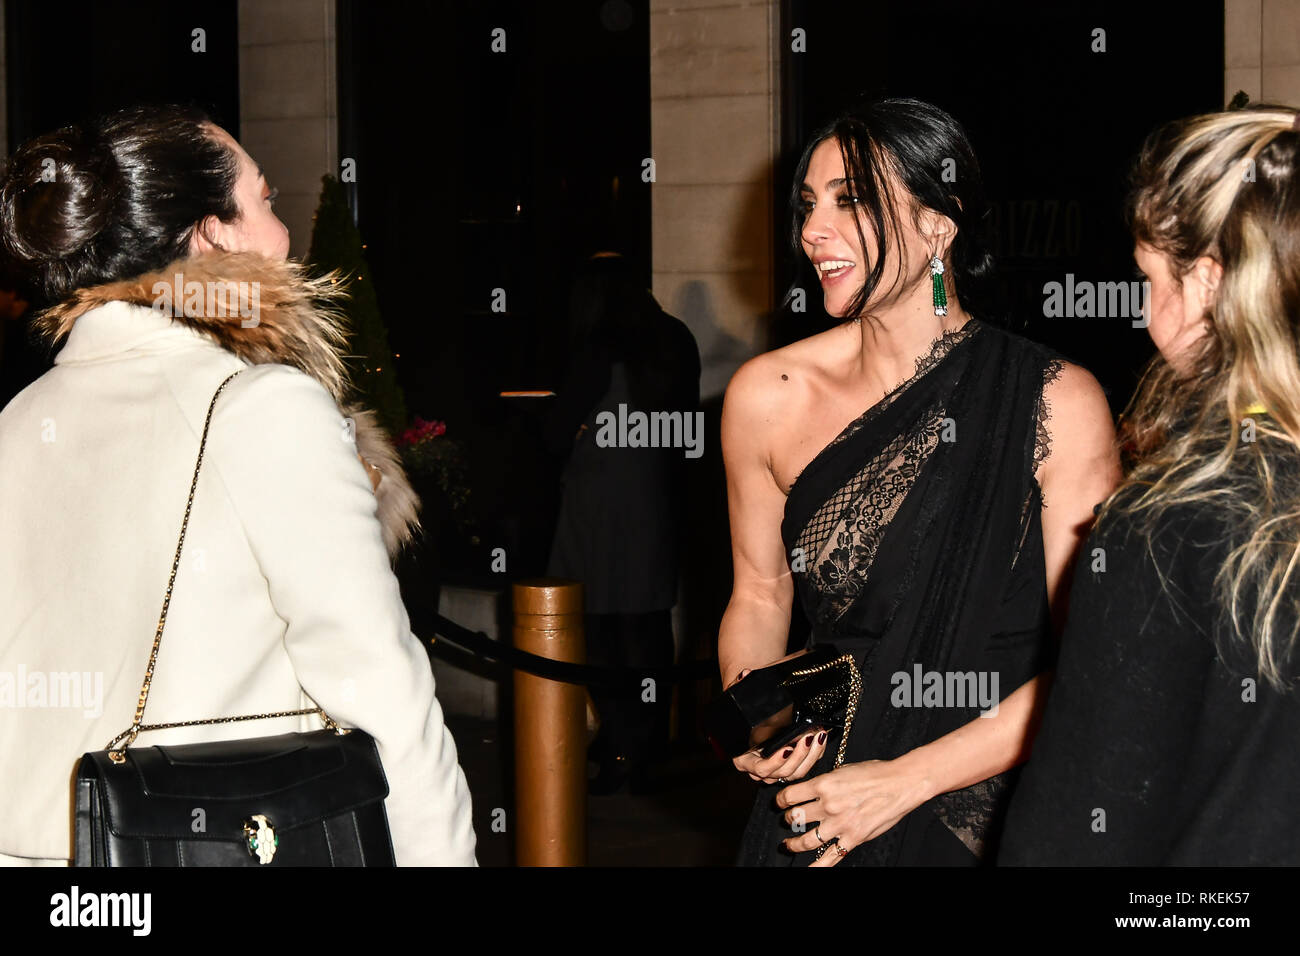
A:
852,805
790,762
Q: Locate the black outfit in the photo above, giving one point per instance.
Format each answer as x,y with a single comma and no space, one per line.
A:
1152,751
631,728
619,526
916,539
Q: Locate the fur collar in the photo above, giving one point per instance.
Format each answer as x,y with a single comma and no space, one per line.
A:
300,322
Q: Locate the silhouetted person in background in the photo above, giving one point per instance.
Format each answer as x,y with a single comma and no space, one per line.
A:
621,510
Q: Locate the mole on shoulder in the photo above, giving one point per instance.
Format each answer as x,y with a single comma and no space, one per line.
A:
784,377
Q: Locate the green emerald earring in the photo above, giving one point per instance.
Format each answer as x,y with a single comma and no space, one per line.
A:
940,296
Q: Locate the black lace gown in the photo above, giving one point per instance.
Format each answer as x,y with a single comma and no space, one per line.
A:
915,541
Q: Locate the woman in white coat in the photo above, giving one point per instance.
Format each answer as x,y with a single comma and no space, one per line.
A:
285,597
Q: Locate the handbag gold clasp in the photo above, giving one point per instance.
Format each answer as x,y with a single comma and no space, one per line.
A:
127,737
332,724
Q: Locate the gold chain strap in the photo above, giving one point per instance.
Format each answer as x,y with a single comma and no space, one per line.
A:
855,693
850,709
127,737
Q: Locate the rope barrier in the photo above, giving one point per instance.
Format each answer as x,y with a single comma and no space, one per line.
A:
485,648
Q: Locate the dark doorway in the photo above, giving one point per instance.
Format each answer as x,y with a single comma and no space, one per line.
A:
497,143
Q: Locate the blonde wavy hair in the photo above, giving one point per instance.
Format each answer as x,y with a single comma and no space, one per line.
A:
1224,185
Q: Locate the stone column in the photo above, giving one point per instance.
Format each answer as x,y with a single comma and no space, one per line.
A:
714,113
1262,50
288,103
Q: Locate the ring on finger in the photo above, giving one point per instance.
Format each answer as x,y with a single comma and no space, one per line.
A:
842,852
817,832
782,780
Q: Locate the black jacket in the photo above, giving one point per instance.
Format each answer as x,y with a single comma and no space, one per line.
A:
622,508
1161,745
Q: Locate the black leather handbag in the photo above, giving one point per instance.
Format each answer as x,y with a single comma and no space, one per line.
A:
297,799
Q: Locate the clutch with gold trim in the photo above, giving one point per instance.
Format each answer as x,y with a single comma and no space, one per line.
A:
772,706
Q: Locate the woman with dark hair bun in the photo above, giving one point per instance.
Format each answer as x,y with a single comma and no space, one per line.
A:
125,195
901,470
151,234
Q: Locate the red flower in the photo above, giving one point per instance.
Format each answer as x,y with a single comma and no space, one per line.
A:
422,431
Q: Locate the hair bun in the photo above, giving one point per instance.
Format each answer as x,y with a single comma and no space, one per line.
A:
57,195
112,197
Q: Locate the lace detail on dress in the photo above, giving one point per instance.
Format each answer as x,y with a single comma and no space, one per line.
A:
841,539
969,812
939,348
1042,448
847,529
1042,439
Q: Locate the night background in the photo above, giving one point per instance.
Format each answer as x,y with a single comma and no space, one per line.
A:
479,170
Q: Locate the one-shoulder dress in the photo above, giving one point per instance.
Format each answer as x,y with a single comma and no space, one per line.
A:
915,543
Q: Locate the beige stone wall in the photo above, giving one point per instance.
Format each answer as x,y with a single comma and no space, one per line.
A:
714,96
288,103
1262,50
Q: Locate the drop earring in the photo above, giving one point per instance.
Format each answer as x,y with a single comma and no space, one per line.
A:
940,295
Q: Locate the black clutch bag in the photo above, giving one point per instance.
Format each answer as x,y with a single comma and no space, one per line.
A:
304,799
774,705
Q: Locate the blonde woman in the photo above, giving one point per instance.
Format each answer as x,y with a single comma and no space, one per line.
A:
1170,734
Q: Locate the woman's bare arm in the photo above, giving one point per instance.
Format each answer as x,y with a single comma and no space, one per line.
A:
756,624
1081,470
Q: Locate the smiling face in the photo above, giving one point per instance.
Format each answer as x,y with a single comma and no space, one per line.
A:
257,229
830,238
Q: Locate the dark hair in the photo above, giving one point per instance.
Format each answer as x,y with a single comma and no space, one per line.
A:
928,151
114,197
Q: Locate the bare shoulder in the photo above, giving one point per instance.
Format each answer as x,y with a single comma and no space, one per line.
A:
1073,398
1076,427
775,387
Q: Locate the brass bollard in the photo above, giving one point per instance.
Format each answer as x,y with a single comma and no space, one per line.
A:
550,729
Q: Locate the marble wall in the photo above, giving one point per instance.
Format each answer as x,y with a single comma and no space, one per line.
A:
288,103
714,98
1262,50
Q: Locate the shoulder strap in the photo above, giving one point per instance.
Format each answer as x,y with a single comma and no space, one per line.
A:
127,737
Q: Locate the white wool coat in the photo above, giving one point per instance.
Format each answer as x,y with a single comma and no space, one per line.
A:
285,596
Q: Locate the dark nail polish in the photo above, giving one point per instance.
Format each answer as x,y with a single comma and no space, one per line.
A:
821,738
787,753
807,742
